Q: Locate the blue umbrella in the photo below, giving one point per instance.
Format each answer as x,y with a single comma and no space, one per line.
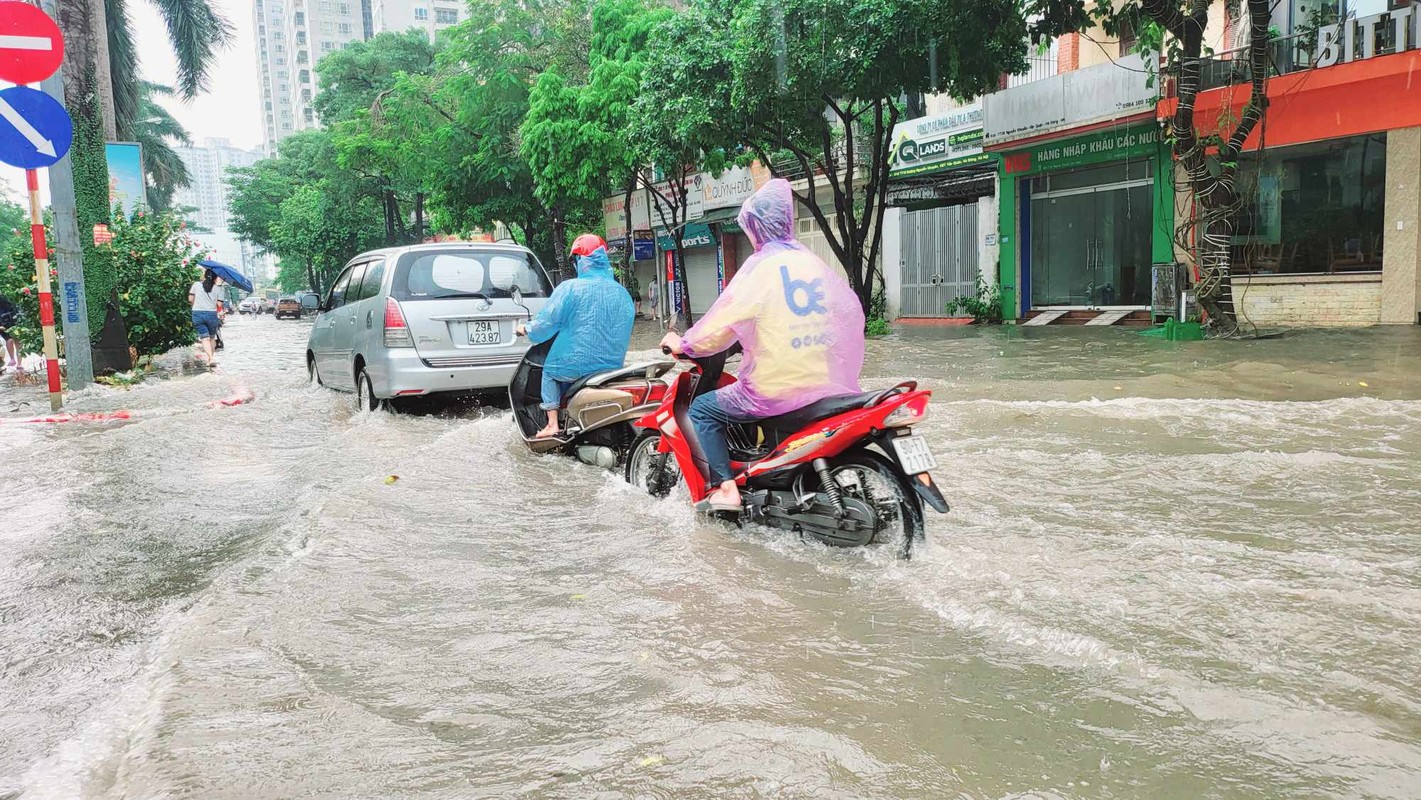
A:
227,274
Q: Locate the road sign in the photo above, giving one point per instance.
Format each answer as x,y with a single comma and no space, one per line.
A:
31,46
35,130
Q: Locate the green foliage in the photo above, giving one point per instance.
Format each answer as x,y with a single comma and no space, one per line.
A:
876,321
18,282
91,198
985,307
158,132
155,264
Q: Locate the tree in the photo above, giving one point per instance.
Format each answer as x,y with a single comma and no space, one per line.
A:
157,131
1208,151
321,234
353,83
578,139
815,86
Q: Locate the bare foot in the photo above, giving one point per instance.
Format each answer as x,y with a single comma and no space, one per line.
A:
550,430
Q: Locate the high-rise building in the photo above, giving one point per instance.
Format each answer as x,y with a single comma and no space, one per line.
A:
209,166
292,35
429,16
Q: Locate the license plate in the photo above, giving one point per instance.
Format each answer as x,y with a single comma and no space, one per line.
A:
484,331
914,454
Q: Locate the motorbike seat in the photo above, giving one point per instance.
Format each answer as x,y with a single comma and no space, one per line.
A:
608,376
820,409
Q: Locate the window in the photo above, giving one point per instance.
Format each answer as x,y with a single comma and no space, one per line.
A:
281,48
281,59
461,273
355,292
446,16
305,95
300,17
278,35
343,28
327,26
336,297
421,14
310,116
282,74
300,37
305,76
373,277
1313,208
326,47
345,8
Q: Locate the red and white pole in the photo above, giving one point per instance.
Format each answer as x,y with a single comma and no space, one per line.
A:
46,298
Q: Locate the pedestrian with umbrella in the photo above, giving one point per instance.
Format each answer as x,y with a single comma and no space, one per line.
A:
207,309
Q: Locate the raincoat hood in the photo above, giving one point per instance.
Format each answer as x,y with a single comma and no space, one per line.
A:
595,265
768,216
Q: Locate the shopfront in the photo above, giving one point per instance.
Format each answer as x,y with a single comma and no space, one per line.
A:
1329,230
1085,190
940,225
1083,218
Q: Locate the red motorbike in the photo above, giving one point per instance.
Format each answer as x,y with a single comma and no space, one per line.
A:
846,470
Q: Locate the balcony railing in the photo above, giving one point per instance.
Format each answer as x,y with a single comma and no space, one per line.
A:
1038,67
1231,67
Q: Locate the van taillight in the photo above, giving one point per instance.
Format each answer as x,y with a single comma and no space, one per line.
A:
397,333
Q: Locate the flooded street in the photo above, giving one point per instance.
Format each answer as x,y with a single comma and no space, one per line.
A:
1171,571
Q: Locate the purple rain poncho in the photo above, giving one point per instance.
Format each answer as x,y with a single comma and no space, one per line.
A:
798,319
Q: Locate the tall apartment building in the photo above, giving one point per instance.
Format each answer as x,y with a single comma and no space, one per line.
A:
292,35
209,166
430,16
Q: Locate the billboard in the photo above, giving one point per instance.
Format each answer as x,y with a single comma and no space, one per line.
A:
126,184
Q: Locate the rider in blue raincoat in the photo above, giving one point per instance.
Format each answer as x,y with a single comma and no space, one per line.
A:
592,317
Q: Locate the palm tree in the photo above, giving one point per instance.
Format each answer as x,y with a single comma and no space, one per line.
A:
158,132
195,30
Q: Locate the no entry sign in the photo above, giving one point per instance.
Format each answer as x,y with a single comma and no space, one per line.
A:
30,45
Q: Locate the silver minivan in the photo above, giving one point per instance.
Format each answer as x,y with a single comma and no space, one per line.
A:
427,318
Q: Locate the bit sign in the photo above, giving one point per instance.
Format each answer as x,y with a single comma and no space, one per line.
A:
102,235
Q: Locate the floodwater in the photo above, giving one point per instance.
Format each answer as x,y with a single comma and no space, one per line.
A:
1171,571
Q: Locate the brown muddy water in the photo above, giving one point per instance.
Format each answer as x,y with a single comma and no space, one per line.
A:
1171,571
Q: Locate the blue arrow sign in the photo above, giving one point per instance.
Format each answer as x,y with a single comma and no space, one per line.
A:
35,130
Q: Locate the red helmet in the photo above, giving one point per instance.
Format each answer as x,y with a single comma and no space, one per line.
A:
586,244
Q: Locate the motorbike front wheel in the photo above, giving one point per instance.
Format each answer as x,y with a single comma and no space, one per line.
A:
873,479
655,473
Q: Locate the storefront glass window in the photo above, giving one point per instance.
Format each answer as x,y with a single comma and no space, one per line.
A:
1313,208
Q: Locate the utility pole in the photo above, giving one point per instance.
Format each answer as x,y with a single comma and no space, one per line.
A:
68,252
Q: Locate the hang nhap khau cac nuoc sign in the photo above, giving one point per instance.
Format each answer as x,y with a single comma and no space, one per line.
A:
937,143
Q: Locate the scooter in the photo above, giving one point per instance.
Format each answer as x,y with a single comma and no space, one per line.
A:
846,471
597,412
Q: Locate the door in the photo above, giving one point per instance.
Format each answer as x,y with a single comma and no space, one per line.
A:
1091,240
703,278
323,331
345,328
939,259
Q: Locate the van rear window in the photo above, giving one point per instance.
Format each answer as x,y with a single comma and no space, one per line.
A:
463,273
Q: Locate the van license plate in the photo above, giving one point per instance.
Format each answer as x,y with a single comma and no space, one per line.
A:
914,454
484,331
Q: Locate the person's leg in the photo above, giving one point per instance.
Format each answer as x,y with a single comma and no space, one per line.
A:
552,391
710,420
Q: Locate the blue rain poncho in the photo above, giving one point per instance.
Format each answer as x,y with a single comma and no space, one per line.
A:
592,317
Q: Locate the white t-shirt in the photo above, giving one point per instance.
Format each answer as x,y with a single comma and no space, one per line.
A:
204,301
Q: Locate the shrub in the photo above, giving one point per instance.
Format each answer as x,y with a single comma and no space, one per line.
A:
155,263
984,308
876,323
17,282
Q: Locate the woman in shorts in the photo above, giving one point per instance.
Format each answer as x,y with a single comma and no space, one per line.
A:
205,304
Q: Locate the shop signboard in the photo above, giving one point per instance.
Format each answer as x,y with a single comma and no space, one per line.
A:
1069,100
1136,141
643,245
663,202
614,216
1357,37
694,235
937,143
731,189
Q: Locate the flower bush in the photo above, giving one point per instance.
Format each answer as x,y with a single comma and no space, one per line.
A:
18,282
155,263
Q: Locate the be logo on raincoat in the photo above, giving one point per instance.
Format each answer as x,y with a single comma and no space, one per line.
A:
798,319
592,317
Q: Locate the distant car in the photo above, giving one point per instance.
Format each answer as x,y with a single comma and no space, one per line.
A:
250,305
426,319
288,306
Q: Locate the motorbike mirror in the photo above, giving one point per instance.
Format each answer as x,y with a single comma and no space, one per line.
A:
517,295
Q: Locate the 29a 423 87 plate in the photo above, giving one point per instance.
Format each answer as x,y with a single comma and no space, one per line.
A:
484,331
914,454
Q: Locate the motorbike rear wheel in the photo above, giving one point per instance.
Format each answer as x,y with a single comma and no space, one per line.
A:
655,473
873,479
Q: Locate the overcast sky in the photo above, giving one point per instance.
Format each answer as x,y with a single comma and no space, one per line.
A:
231,106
